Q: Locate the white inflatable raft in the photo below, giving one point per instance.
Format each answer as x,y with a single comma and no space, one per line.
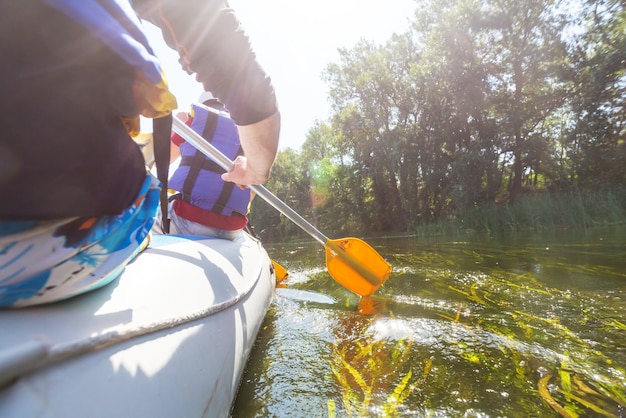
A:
169,338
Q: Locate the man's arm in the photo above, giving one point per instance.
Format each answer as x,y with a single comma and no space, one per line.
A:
212,43
260,144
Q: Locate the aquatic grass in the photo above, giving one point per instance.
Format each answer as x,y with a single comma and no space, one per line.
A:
575,362
366,368
487,318
614,323
507,303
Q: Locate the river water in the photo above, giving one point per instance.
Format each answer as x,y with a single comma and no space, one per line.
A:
518,325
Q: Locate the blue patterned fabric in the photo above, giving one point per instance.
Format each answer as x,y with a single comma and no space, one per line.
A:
42,262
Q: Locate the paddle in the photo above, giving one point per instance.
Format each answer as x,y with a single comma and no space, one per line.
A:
350,261
280,271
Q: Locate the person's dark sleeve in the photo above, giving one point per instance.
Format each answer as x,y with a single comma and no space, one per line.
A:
211,43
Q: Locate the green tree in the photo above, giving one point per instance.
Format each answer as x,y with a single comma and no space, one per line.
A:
480,100
526,55
291,185
364,90
597,140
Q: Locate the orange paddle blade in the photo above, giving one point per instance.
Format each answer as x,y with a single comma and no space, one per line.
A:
281,273
356,265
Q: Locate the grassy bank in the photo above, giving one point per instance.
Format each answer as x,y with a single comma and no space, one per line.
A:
538,211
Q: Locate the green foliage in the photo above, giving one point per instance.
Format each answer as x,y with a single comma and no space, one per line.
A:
481,104
597,141
289,184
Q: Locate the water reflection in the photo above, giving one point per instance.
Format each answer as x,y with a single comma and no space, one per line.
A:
520,326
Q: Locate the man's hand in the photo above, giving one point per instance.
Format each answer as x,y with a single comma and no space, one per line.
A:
184,116
240,174
260,144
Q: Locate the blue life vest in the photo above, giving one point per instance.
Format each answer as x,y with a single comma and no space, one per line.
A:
198,178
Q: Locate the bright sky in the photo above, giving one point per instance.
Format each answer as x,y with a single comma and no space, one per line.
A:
295,41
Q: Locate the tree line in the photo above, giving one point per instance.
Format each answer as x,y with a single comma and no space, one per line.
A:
481,101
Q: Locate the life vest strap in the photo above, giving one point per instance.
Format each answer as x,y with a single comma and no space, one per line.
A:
204,164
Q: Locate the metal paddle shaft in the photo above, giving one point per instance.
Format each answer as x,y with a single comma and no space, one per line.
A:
198,142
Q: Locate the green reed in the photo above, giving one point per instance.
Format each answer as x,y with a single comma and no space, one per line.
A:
537,211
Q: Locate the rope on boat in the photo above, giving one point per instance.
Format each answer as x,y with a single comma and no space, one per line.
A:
36,354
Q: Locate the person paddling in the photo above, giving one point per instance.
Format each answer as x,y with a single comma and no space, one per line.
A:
203,203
